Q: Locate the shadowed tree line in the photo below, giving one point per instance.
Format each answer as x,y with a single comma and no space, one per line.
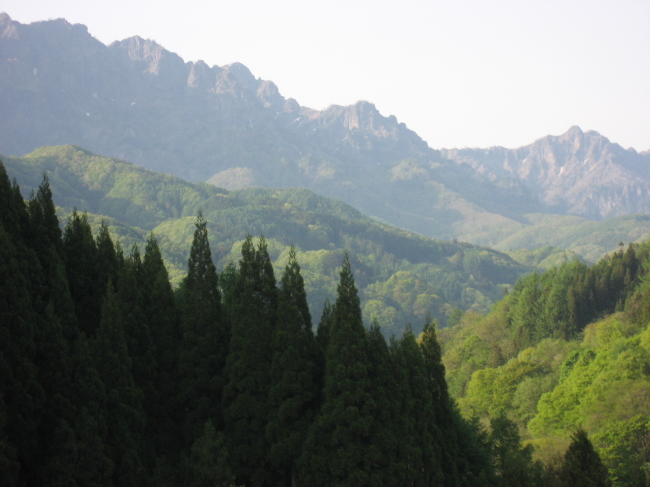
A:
108,376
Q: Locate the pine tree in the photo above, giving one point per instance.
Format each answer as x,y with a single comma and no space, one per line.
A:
418,460
246,410
56,330
513,464
293,375
582,466
82,269
384,444
125,416
107,263
162,319
445,431
209,460
85,454
20,392
338,450
203,346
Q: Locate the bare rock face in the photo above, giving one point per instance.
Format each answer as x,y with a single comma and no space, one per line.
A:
578,173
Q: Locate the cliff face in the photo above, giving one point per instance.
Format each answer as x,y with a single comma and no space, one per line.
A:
578,173
137,101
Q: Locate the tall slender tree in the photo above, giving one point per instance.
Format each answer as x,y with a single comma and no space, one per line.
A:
293,375
582,466
246,410
203,346
338,450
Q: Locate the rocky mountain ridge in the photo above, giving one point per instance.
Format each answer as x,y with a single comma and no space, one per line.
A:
137,101
579,173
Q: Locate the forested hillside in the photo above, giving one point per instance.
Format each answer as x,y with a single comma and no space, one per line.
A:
402,276
565,349
111,377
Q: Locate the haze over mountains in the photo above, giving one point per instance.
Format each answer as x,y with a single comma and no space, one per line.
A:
137,101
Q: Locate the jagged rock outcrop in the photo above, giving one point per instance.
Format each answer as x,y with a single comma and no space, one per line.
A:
137,101
577,173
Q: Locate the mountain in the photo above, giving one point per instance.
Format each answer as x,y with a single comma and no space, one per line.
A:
576,173
134,100
402,276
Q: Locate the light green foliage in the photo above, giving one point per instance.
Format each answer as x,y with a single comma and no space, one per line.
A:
411,275
594,376
543,258
490,391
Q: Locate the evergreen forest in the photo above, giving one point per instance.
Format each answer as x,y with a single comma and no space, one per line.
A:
109,375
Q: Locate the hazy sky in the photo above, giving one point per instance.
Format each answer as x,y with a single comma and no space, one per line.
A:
461,73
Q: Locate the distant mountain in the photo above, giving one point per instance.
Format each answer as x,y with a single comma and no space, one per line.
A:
137,101
576,173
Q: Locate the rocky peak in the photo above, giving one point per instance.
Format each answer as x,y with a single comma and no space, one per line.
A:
243,75
8,28
270,96
152,55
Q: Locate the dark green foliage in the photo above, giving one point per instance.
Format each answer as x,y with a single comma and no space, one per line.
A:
513,464
161,316
19,389
209,460
125,417
338,449
412,410
107,260
560,302
582,466
245,398
325,326
187,388
450,454
203,345
384,389
82,268
293,374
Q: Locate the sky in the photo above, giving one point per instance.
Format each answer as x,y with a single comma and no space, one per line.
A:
461,73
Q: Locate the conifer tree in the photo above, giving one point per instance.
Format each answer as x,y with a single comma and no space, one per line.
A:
162,319
293,388
20,392
209,460
582,466
107,263
384,446
125,415
56,330
246,410
85,454
82,269
513,464
203,346
443,414
338,450
325,325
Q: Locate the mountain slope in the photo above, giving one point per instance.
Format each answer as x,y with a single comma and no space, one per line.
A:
574,173
402,275
137,101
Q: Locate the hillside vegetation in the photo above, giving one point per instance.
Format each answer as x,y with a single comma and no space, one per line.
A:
111,377
564,350
402,276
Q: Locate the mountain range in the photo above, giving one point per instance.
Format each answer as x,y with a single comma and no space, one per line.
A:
137,101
